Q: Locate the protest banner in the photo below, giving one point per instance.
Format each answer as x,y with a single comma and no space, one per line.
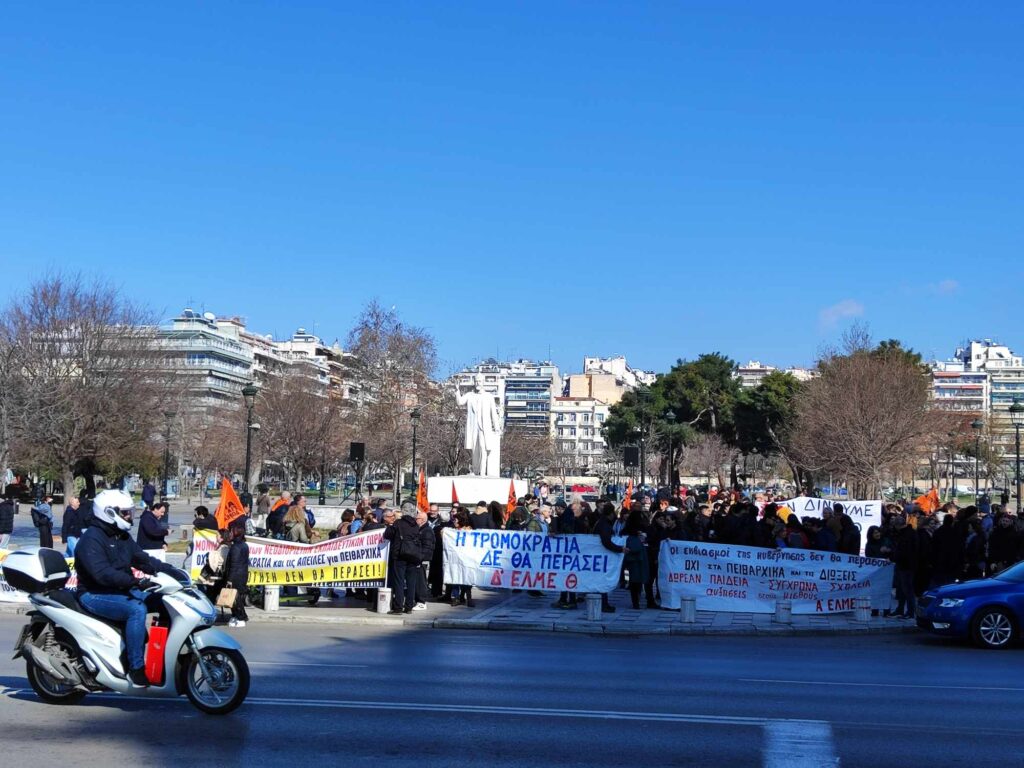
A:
863,513
728,577
525,560
360,560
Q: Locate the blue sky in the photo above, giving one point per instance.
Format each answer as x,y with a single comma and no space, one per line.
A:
656,179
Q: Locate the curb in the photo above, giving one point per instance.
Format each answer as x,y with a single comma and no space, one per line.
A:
483,621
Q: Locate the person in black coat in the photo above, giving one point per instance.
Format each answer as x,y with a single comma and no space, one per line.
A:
408,563
6,521
905,556
481,518
946,553
204,521
152,530
71,526
1003,544
236,571
603,529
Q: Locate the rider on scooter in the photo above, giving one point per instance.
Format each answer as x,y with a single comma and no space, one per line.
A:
104,559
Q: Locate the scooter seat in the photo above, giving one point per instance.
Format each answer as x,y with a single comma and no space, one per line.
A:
68,599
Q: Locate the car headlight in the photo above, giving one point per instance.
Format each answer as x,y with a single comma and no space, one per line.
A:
951,602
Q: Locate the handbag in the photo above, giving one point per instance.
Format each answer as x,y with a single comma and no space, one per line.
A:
227,597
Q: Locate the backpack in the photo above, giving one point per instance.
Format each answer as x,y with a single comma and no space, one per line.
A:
406,550
38,518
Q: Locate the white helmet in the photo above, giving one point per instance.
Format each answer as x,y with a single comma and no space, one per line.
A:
115,508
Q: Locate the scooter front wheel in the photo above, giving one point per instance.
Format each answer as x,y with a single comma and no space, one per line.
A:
217,682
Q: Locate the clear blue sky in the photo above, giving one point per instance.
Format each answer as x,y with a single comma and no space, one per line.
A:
653,179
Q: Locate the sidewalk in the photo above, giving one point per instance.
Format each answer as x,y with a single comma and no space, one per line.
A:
521,612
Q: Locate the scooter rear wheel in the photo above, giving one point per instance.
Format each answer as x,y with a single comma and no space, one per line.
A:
48,688
229,684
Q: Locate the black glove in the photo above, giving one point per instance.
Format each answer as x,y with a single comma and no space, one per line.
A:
144,584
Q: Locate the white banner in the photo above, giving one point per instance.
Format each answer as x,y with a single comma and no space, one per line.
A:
359,560
863,513
524,560
726,577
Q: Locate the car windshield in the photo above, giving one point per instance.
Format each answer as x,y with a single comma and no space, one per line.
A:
1014,573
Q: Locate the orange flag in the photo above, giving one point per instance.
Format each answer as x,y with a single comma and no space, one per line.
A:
627,502
929,502
421,493
511,506
455,496
230,507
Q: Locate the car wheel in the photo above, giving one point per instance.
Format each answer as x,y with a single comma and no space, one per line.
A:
994,628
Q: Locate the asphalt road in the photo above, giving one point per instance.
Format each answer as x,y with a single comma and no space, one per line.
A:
324,695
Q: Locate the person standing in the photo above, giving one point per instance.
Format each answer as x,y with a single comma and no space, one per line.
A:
42,519
148,494
408,563
152,529
905,556
425,535
71,526
603,528
236,570
7,510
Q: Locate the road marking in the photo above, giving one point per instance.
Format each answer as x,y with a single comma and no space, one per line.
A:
789,744
879,685
305,664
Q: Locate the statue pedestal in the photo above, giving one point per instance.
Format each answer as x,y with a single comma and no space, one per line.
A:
472,489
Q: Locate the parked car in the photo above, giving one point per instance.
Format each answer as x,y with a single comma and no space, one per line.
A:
988,611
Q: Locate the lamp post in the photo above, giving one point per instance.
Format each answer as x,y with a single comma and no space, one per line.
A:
977,425
1017,417
753,471
641,401
249,392
951,472
670,419
167,456
414,416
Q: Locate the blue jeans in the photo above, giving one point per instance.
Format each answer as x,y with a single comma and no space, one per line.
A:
69,546
129,608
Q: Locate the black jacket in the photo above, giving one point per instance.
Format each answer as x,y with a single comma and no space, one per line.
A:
152,532
1002,545
481,521
71,525
407,540
236,564
104,559
208,523
425,537
905,553
7,517
604,530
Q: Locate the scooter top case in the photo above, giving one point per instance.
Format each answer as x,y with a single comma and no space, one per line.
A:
36,569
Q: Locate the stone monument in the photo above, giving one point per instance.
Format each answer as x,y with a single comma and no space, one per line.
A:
483,430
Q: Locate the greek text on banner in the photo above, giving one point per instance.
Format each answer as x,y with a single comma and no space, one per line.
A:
360,560
726,577
525,560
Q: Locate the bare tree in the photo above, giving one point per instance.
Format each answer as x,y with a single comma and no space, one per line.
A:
708,455
442,432
84,360
864,417
527,454
395,361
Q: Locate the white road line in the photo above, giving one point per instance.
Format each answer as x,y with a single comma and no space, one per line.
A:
789,744
305,664
879,685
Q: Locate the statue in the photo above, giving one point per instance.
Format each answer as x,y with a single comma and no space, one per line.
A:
483,430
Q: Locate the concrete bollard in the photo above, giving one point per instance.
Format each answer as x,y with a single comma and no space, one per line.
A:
383,600
688,610
783,612
862,609
271,598
593,607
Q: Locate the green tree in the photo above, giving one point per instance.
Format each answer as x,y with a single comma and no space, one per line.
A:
764,416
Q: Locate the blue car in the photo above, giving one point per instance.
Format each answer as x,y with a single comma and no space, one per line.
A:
988,611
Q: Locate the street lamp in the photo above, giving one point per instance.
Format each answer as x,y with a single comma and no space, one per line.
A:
414,416
1017,417
164,491
670,419
977,425
641,401
249,392
753,471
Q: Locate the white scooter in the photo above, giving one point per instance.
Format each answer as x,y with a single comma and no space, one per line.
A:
70,652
